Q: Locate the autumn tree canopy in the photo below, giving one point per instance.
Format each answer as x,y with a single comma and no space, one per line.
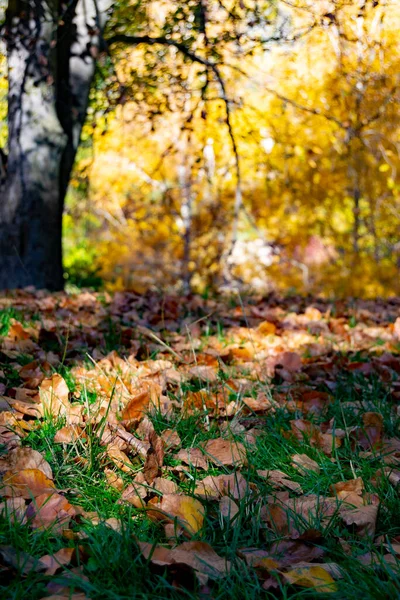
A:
252,142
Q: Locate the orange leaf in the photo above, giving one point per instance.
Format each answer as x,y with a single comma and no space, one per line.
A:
28,483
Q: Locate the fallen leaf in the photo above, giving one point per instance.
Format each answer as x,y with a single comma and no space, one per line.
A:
69,434
119,458
200,556
193,457
304,464
291,361
204,373
17,559
154,459
311,577
50,511
225,452
370,435
214,487
114,480
25,458
13,509
228,508
362,517
279,480
355,486
136,407
165,486
54,395
28,483
188,512
171,439
57,560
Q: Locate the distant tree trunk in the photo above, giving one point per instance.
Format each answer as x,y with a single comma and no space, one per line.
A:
51,62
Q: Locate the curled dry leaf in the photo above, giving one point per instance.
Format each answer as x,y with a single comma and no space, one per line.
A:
21,561
165,486
204,373
57,560
25,458
69,434
114,480
119,458
198,555
370,435
290,361
135,492
228,508
193,457
214,487
311,577
54,394
171,439
28,483
278,479
226,452
136,408
363,518
50,511
154,459
13,509
355,486
188,512
304,464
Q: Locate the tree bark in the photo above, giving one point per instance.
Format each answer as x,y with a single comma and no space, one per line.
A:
51,63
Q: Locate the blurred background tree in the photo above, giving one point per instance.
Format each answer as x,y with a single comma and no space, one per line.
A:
248,144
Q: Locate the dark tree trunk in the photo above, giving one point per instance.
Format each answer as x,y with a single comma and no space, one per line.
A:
51,60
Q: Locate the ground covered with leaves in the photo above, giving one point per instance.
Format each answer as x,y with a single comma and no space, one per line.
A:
163,447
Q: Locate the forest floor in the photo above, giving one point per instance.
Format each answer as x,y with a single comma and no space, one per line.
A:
164,447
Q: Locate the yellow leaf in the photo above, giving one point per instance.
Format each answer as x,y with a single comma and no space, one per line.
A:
311,577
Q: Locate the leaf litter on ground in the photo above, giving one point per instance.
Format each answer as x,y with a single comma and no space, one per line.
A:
275,425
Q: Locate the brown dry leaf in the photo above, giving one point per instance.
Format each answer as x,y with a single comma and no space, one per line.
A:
136,408
311,577
355,486
278,480
25,458
165,486
50,511
197,555
154,459
57,560
362,517
193,457
28,483
214,487
370,436
69,434
225,452
114,480
171,439
204,373
260,404
290,361
13,509
54,395
119,458
304,464
291,552
188,511
21,561
136,491
228,508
